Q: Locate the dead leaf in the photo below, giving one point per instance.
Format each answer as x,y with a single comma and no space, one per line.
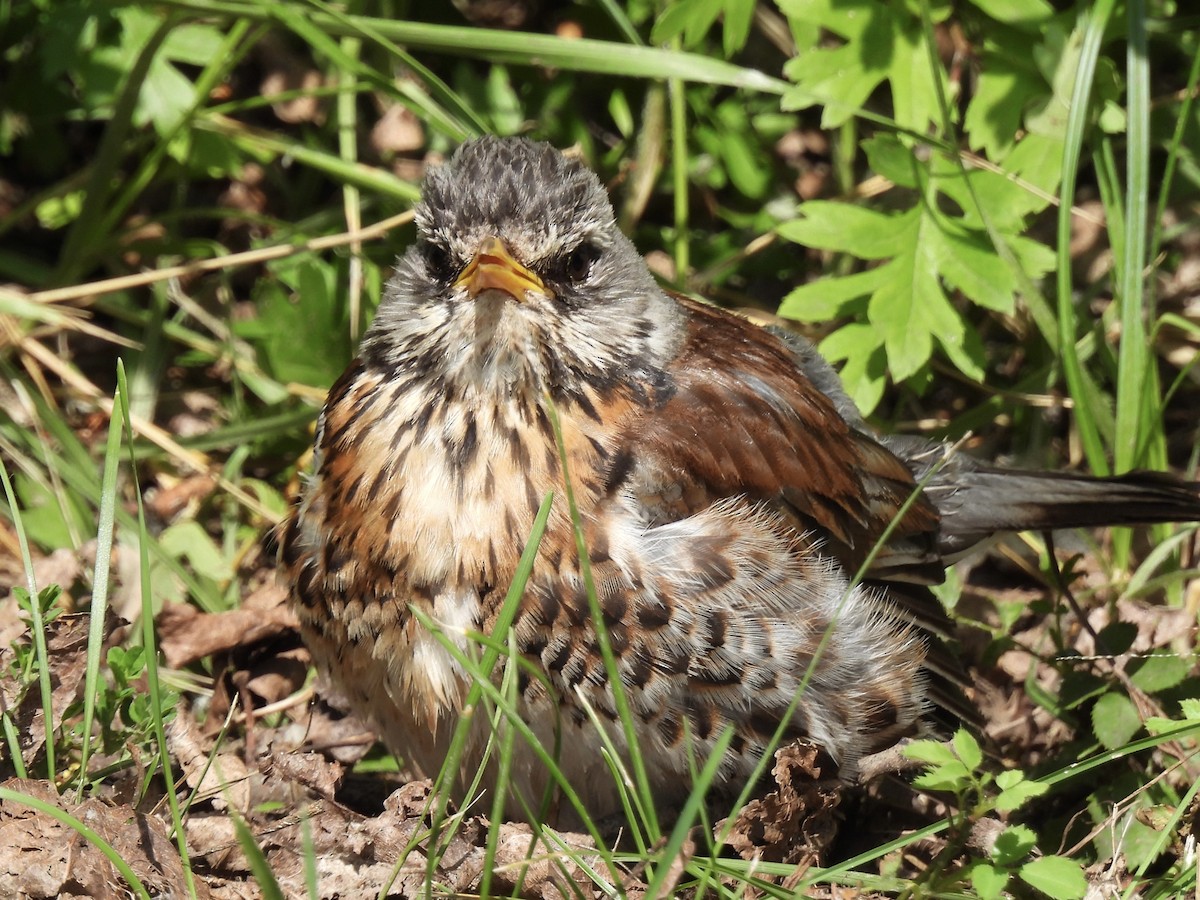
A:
796,821
41,857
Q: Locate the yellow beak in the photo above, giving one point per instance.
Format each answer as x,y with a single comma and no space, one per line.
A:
494,268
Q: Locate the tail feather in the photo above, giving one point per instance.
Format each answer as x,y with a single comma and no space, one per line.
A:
977,502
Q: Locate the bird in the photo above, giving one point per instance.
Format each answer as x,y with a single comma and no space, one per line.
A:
756,557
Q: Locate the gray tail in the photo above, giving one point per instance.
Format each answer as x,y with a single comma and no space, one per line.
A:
975,504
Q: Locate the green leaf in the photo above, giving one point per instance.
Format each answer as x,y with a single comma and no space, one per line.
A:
864,374
890,158
884,43
1115,720
826,298
1190,707
967,749
967,261
739,16
932,752
1160,671
843,227
1060,878
1018,792
188,540
992,120
950,777
988,881
690,18
1016,12
1013,844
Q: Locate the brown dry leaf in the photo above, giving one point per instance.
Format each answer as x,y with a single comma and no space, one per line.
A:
226,781
66,645
398,131
796,821
173,496
41,857
276,677
187,635
286,71
356,856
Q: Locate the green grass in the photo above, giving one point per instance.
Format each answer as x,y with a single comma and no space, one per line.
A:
159,219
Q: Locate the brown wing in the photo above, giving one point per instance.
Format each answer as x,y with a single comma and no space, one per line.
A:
745,420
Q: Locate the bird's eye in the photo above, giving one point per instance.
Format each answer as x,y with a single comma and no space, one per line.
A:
578,264
438,261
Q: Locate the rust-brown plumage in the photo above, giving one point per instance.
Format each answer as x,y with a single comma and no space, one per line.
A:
730,495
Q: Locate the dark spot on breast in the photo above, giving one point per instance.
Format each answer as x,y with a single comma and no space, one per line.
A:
289,550
638,669
674,664
424,417
306,584
716,622
670,729
598,548
653,614
710,559
574,670
614,607
560,653
547,607
585,406
618,470
381,478
703,719
763,723
336,556
598,449
353,489
544,426
708,676
618,639
882,717
391,507
469,444
576,603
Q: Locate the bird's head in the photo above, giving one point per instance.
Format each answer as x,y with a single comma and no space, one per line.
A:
520,280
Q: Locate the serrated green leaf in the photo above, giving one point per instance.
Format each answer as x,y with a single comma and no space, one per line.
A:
864,373
967,261
992,120
932,752
1013,844
188,540
690,18
988,881
825,298
1060,878
1115,720
967,749
949,777
905,309
1160,671
1019,794
1009,778
833,79
1190,707
889,158
1016,12
843,227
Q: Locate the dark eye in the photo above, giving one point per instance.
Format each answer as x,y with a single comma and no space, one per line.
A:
437,261
578,264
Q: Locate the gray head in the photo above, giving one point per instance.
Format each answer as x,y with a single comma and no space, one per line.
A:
520,281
